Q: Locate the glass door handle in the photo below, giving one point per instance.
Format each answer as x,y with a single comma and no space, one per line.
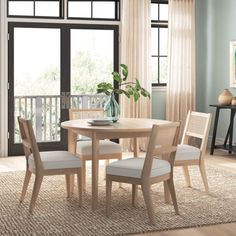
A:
65,100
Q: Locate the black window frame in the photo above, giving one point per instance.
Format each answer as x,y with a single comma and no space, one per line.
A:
159,24
65,69
61,10
117,11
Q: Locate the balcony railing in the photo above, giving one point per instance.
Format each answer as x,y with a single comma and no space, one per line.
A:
44,111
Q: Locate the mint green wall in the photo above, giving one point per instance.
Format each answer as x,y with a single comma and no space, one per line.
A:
159,104
215,28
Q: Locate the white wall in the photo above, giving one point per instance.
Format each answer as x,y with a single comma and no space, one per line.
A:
3,80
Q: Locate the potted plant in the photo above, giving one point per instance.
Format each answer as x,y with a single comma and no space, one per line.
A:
130,89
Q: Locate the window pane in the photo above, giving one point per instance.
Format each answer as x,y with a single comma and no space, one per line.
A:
163,12
104,10
163,41
154,11
23,8
163,69
159,41
79,9
37,81
47,8
36,61
91,59
154,71
154,41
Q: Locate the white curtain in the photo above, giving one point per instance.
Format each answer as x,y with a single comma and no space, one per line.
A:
135,53
181,77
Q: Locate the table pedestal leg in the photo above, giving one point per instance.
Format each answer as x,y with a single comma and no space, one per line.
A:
134,186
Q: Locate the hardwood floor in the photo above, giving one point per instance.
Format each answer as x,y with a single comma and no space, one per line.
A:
220,159
215,230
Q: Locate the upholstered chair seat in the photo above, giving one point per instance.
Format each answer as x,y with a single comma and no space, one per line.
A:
133,167
105,147
55,160
187,152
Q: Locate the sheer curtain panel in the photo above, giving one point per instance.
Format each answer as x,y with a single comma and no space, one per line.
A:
181,76
135,53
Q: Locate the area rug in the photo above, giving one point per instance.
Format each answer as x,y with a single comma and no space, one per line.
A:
56,215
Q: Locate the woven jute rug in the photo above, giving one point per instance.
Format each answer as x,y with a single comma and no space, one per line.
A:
56,215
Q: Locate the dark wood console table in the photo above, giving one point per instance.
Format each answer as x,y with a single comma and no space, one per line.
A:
229,134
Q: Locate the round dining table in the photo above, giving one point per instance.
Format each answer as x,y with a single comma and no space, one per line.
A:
123,128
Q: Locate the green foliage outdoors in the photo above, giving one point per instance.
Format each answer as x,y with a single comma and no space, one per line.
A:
128,88
89,70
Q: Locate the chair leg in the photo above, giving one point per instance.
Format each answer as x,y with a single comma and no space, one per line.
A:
146,188
204,176
37,185
72,181
108,196
186,176
80,190
25,185
119,159
106,164
166,192
68,185
84,175
134,194
171,187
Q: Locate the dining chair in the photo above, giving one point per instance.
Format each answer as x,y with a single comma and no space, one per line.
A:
197,126
149,170
45,163
107,149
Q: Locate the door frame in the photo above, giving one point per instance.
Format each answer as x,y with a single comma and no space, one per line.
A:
65,67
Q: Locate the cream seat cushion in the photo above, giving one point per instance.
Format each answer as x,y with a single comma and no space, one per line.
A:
187,152
105,147
132,167
56,160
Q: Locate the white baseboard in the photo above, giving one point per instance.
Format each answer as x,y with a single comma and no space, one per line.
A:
219,141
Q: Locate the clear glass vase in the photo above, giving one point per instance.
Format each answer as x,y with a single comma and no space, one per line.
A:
112,108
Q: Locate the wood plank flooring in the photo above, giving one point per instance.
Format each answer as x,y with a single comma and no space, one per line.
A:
220,159
215,230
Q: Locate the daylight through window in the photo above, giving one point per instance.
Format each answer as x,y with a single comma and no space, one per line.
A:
159,39
36,9
93,10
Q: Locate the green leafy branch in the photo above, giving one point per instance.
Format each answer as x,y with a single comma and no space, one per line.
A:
130,88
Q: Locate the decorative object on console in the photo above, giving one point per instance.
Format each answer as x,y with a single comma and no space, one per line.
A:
233,102
225,97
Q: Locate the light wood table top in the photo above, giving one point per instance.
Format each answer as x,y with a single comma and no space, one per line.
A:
124,128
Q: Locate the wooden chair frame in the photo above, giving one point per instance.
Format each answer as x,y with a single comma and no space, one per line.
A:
192,130
87,114
30,147
162,142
